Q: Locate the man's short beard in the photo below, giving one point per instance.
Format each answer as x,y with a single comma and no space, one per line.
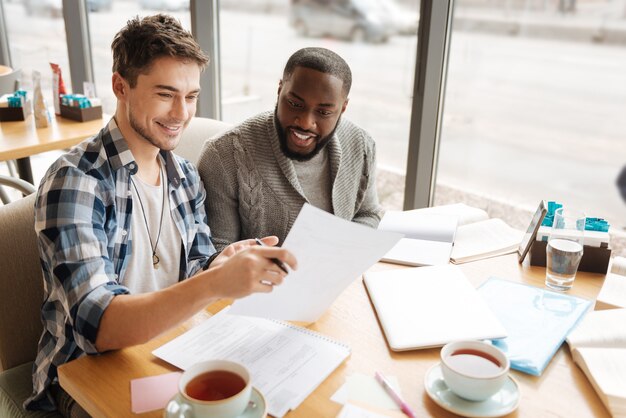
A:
139,129
282,139
142,133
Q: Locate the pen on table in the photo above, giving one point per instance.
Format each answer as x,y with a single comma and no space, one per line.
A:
274,260
404,407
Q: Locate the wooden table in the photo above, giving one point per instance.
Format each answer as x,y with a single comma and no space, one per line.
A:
101,383
19,140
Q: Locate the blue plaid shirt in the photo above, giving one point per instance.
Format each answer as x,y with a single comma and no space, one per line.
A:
83,223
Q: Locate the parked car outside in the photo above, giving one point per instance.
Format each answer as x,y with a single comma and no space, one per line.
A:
404,21
165,5
54,8
356,20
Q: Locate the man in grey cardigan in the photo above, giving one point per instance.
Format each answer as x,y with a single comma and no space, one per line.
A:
259,174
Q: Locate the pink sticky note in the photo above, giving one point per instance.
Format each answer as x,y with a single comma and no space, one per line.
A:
154,392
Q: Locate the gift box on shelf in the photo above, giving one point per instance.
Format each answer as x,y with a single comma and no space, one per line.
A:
12,114
14,107
80,108
81,115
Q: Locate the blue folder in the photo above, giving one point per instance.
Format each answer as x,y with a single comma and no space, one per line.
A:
536,320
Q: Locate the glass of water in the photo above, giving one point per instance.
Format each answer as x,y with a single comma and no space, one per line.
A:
565,248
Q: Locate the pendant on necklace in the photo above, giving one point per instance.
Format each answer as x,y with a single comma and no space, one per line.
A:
155,261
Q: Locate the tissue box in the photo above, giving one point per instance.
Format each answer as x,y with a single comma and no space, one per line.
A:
595,259
81,115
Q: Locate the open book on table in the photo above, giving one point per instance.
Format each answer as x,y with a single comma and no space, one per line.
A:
428,237
598,346
613,292
456,232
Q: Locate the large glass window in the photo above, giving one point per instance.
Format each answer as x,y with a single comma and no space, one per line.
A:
106,21
376,38
535,104
36,33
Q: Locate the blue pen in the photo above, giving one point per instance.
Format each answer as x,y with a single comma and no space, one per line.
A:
274,260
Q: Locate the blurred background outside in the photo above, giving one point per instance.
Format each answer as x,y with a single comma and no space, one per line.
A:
535,98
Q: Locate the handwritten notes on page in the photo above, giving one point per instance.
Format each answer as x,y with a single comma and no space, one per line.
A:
331,254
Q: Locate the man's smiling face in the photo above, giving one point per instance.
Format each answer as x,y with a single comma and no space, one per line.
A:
309,106
163,101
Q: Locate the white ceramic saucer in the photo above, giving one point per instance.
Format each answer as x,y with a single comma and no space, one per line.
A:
502,403
256,409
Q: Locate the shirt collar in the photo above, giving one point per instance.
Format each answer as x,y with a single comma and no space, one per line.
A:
119,154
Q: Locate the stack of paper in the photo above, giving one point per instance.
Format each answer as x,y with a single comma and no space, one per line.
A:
598,346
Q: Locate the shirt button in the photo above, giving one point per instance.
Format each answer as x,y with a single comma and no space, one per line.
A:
131,166
124,232
129,193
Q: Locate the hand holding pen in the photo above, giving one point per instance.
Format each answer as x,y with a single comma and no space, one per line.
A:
274,260
256,265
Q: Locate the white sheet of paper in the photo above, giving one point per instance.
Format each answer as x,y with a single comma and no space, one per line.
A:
366,389
331,254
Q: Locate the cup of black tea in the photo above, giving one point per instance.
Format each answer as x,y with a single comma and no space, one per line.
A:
213,388
474,370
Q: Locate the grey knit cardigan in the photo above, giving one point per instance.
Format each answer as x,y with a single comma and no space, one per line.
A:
253,190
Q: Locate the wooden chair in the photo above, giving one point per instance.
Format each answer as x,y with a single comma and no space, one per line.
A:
20,185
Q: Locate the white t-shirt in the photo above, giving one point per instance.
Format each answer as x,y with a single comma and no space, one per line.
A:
141,276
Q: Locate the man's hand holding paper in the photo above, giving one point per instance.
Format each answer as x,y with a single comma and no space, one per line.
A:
331,253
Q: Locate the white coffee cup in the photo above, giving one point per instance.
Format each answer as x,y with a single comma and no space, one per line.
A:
199,386
474,370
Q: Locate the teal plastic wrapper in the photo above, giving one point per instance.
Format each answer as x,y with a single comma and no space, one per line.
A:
536,320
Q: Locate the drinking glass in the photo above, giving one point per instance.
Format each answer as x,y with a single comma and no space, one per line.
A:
565,248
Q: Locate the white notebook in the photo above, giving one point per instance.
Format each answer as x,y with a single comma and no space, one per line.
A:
429,307
286,362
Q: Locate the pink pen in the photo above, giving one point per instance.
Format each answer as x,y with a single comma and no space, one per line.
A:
404,407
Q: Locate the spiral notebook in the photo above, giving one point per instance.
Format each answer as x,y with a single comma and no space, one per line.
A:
286,362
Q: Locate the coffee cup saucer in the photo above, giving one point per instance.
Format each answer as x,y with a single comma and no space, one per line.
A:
257,408
502,403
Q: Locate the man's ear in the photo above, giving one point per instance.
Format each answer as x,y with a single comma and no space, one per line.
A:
280,86
345,104
119,85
